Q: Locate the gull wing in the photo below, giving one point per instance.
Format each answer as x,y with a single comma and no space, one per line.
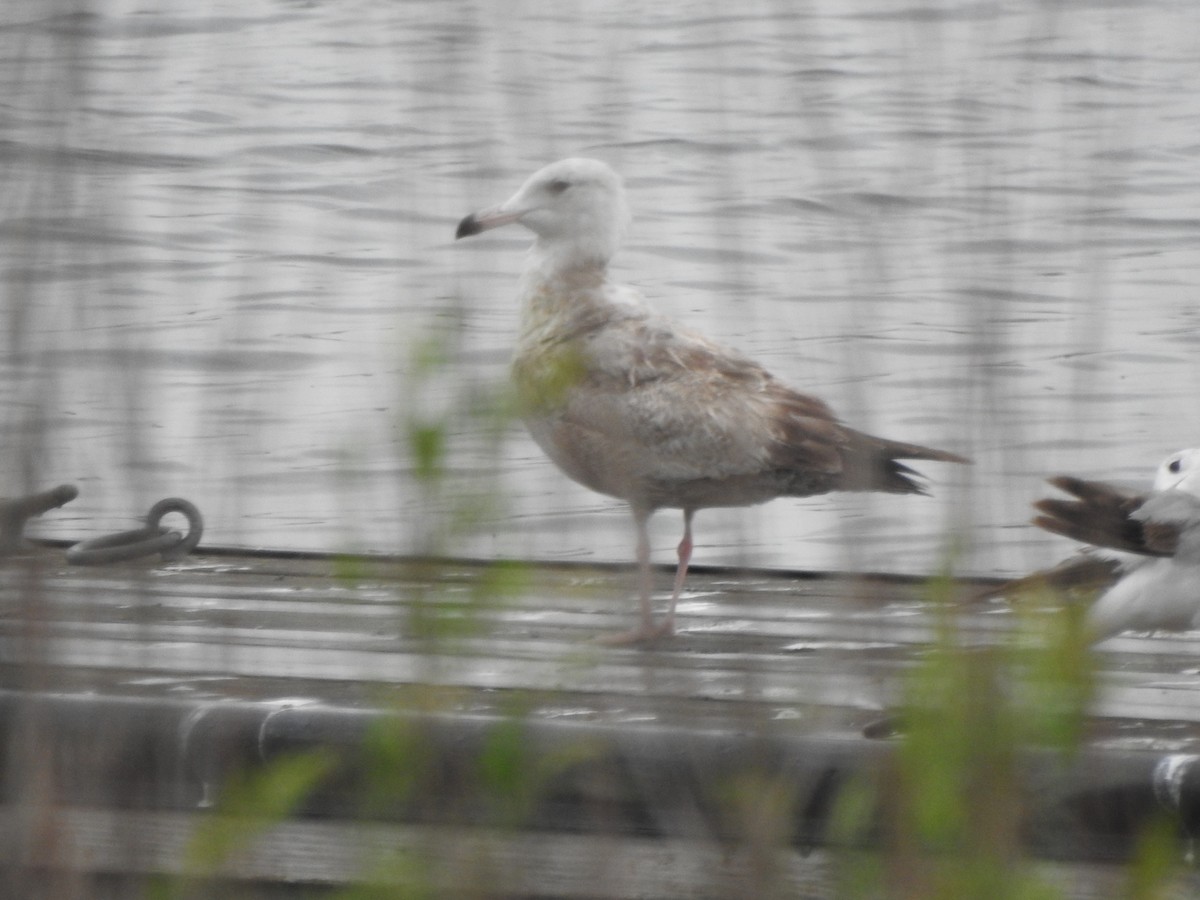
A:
1085,573
677,406
1103,515
1171,523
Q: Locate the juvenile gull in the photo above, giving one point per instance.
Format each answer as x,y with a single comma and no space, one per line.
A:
630,405
1145,555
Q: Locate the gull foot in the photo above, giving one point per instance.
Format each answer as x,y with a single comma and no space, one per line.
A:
644,634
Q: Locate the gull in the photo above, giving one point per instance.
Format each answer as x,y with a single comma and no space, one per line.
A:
632,406
1145,553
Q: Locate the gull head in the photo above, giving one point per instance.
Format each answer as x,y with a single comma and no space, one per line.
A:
1180,471
576,207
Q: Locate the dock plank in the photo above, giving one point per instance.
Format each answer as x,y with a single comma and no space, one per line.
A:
759,654
784,642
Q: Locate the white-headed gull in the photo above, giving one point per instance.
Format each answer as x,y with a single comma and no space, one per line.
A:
632,406
1145,554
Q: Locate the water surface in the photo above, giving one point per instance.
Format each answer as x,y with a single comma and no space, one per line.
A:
229,272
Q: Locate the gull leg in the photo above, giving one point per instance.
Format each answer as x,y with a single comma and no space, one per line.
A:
645,573
684,551
646,631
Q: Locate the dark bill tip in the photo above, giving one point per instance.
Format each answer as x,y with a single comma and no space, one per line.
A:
467,227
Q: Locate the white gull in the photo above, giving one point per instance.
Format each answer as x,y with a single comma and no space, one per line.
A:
1145,556
632,406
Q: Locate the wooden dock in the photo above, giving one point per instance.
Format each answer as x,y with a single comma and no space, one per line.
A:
132,694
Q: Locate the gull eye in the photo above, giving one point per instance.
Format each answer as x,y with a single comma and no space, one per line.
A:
557,186
1175,465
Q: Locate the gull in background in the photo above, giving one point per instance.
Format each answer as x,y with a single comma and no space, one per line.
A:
635,407
1145,553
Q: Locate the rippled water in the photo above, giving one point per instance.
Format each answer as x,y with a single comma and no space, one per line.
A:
227,236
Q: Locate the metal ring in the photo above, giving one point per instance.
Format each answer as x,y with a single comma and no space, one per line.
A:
195,525
149,539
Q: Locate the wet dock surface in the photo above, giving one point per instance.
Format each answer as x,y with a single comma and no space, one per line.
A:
752,646
282,652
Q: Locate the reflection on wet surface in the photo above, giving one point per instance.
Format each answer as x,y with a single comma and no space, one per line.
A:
830,653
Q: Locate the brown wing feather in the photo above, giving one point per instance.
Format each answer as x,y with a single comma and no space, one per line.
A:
810,441
1101,515
806,434
1160,538
670,417
1084,573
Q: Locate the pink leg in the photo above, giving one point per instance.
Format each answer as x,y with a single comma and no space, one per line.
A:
684,550
645,573
646,630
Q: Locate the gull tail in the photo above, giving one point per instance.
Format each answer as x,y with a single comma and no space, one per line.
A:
873,464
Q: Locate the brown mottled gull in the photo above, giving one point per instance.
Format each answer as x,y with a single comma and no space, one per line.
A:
632,406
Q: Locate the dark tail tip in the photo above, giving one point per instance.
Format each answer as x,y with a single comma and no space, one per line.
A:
467,227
